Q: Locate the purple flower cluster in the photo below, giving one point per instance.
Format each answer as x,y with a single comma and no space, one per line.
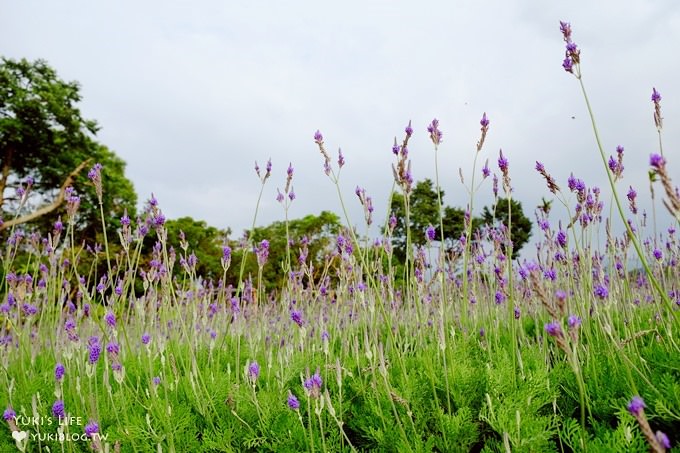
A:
572,53
296,317
95,175
656,99
95,349
313,385
601,292
91,428
434,131
262,252
430,233
253,371
59,372
293,402
58,409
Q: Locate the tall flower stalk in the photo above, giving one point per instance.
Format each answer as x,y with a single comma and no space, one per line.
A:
572,64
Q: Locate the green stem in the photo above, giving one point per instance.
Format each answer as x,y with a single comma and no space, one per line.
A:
631,235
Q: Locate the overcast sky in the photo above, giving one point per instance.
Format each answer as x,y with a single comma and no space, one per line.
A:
191,93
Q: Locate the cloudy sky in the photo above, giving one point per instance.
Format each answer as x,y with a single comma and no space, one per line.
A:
191,93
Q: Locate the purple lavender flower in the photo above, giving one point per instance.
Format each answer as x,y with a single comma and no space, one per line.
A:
636,406
484,121
565,28
341,159
656,96
69,325
318,137
613,164
657,161
502,163
486,172
561,238
517,312
58,409
226,255
658,254
110,319
601,292
146,338
293,402
29,309
574,321
9,414
296,317
59,372
95,176
392,222
113,348
91,428
553,329
500,297
663,440
632,194
253,371
430,233
435,133
95,349
262,252
95,172
156,380
313,384
568,65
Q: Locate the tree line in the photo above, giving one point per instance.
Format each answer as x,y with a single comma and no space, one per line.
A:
47,147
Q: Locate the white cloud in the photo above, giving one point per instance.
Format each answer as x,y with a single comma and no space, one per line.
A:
191,93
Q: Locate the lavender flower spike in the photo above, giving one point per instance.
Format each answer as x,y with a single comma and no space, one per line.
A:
435,133
636,406
484,121
293,402
253,371
430,233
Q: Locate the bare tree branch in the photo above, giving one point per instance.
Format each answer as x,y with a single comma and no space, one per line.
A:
49,207
6,167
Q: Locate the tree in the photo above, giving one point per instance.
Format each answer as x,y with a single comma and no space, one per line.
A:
318,231
46,146
424,211
520,225
204,241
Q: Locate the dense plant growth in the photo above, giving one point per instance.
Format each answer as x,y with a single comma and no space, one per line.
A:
310,336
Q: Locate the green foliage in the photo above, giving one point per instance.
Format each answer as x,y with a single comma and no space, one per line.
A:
519,410
461,429
204,241
44,136
318,233
424,211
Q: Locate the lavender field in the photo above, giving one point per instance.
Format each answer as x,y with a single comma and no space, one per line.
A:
124,346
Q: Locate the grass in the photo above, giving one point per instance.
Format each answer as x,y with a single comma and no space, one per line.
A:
466,351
